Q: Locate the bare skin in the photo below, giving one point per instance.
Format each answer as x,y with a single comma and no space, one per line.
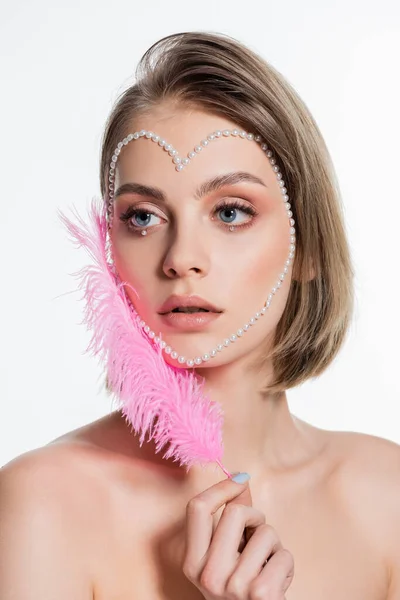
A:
92,516
121,511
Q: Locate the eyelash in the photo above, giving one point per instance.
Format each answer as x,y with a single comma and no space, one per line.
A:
126,216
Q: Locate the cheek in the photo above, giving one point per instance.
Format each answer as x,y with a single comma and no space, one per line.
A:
259,266
132,264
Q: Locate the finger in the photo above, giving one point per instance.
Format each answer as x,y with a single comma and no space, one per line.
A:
224,548
276,577
262,545
200,523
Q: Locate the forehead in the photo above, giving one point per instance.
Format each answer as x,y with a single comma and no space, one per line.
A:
145,162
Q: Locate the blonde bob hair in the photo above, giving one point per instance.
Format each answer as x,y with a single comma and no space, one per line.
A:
219,74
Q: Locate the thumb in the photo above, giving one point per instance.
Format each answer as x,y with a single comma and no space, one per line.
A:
245,496
246,499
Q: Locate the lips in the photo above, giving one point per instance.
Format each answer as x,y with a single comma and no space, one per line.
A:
177,304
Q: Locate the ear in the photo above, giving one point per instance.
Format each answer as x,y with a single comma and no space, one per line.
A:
308,275
311,271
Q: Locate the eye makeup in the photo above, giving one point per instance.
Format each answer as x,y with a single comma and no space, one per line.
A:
132,212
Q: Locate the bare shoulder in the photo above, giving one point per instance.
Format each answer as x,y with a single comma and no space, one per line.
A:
55,483
368,460
47,517
50,472
368,481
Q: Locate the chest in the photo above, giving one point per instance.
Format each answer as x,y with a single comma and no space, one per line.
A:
334,556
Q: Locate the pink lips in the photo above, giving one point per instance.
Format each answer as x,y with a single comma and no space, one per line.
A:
188,321
187,301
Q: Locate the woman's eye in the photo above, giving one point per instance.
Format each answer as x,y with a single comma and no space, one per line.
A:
229,214
139,219
236,213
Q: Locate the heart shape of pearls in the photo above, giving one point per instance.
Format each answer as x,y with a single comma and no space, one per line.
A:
180,164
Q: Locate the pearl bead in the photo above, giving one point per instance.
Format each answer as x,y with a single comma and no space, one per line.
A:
239,332
176,160
213,353
197,360
190,362
219,347
147,329
227,342
167,349
151,334
163,344
233,338
174,354
206,357
252,321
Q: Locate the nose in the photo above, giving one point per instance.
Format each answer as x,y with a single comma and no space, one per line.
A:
187,253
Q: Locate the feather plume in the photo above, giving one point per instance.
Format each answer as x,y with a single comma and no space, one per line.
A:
164,402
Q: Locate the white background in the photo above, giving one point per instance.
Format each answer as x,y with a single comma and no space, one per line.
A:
63,65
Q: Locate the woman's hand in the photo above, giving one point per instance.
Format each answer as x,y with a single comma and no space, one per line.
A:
213,562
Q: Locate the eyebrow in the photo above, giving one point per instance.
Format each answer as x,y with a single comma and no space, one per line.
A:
211,185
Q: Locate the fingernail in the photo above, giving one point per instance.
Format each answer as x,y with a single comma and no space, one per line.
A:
241,477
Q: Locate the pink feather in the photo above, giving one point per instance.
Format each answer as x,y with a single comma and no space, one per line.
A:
165,402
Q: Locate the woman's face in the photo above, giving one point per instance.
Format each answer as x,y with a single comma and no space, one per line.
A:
189,248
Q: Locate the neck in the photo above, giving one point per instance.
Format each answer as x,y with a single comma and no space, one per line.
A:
260,435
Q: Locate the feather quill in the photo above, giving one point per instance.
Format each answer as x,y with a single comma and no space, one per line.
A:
164,402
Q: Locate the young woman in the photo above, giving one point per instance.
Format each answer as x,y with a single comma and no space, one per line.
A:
249,195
